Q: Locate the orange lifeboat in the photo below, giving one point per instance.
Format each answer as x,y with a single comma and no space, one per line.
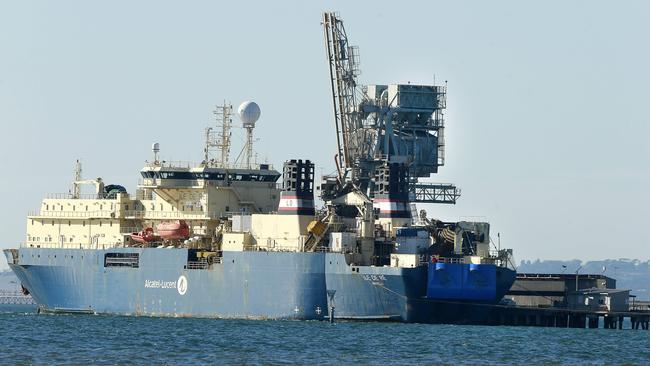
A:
144,236
172,230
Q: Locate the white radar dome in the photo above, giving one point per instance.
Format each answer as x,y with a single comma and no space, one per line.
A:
155,147
249,113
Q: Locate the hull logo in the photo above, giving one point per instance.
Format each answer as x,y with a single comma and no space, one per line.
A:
181,285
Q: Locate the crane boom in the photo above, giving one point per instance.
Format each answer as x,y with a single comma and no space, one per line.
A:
343,61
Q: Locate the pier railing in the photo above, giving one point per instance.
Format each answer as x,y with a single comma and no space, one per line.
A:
15,298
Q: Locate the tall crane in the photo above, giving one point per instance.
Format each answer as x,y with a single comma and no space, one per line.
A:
378,125
344,69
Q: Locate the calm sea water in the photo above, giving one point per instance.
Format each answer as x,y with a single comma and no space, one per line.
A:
28,338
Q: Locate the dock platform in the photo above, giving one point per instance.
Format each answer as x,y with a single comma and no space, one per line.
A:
566,318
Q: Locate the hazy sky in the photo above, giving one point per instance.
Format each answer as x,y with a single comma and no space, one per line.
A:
547,124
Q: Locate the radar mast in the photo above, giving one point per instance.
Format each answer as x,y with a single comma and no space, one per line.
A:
219,140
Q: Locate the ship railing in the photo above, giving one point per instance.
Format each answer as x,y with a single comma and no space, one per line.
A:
130,229
59,245
135,214
275,248
73,214
171,164
187,215
164,182
323,249
450,260
67,196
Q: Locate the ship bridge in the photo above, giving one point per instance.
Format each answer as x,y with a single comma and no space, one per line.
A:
211,189
170,176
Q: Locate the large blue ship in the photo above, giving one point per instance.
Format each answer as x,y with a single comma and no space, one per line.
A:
223,239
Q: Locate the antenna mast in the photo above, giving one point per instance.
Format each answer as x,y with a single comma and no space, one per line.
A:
76,189
219,140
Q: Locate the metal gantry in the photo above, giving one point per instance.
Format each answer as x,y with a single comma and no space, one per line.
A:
434,193
378,125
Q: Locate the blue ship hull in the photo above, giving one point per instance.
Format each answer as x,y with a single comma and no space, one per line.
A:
406,294
255,285
244,285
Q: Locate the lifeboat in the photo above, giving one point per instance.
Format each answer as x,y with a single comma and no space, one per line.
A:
172,230
144,236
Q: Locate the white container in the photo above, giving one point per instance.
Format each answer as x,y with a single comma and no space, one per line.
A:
404,260
342,242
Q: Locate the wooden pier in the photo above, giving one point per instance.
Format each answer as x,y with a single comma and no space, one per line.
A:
566,318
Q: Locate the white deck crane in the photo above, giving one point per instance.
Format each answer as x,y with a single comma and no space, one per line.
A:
78,182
